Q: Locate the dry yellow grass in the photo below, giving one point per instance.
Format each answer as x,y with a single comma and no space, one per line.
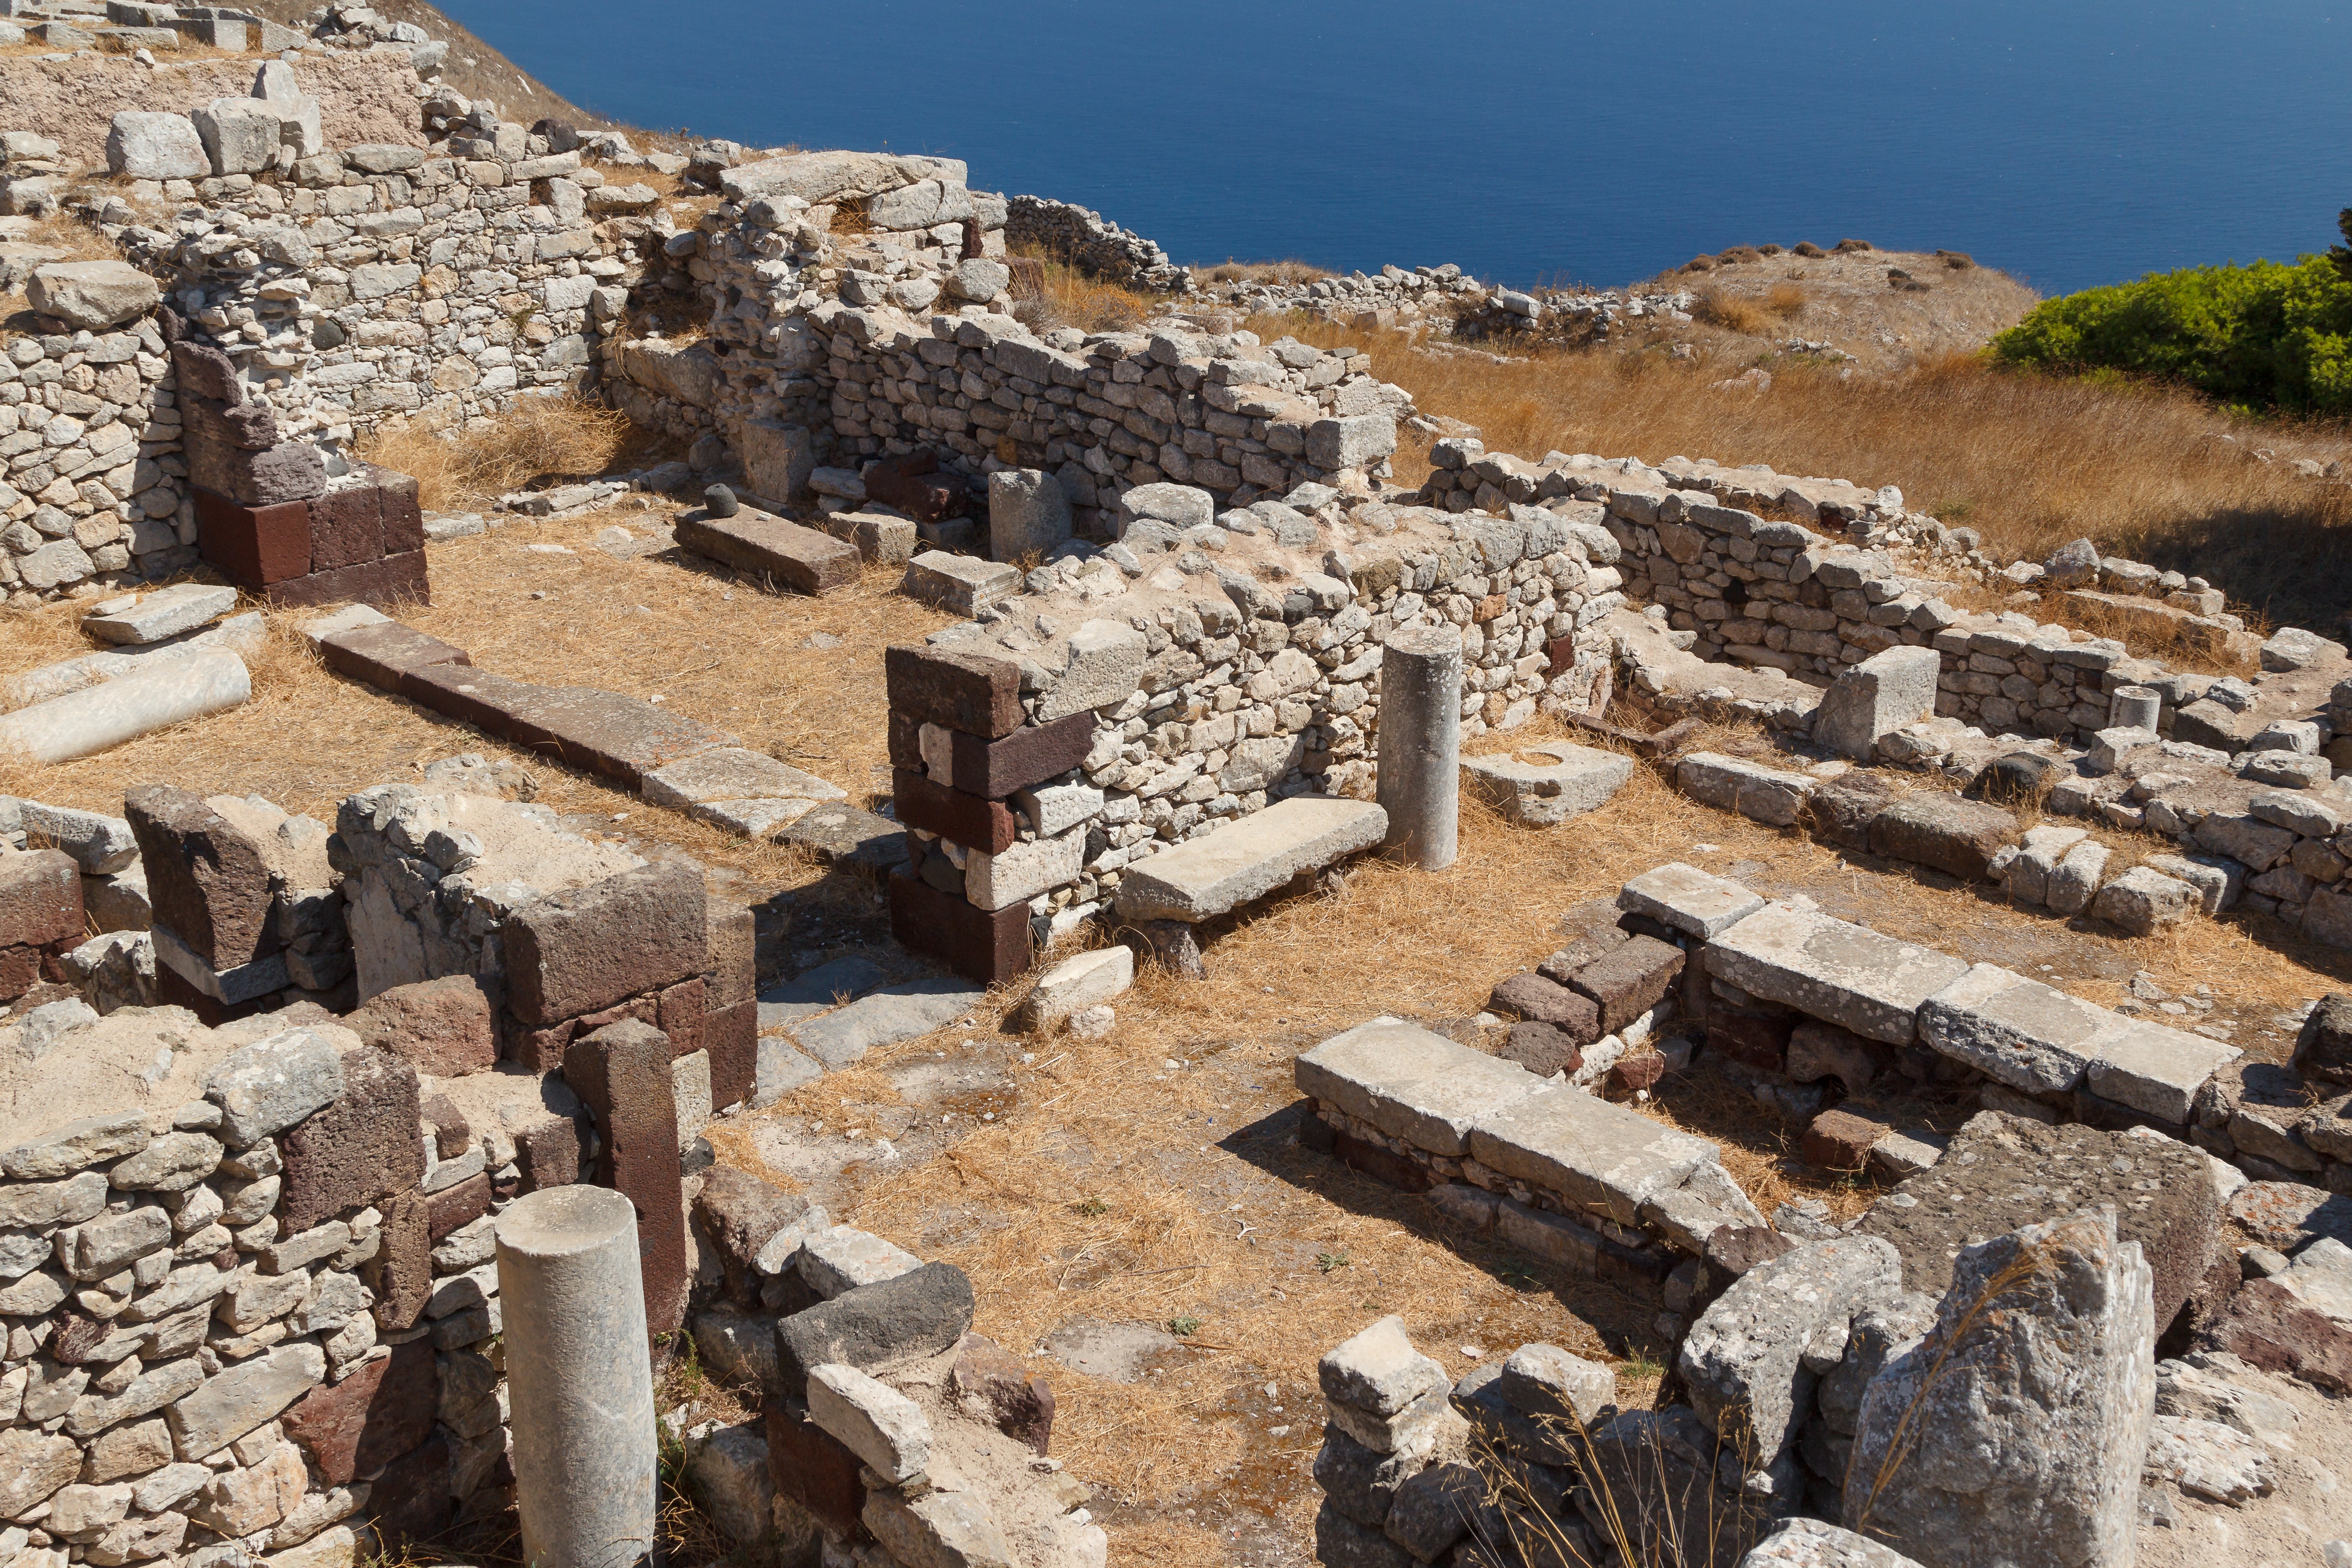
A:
2028,461
456,469
1231,271
1732,312
1070,297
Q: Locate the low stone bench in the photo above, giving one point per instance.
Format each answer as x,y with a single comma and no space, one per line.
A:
1243,861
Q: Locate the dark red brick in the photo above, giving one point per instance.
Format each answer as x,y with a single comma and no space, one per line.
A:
677,1013
762,545
381,654
730,963
491,703
622,1073
961,818
380,1411
358,1150
1840,1140
955,690
443,1028
607,732
1628,981
2267,1327
454,1208
814,1468
904,734
731,1035
403,518
1031,754
993,1384
1542,1048
389,584
254,547
979,944
548,1153
1630,1075
573,952
403,1263
541,1050
346,527
1754,1040
206,879
40,899
1540,1000
452,1134
410,1500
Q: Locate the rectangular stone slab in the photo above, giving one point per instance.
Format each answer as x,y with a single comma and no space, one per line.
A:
1848,974
2017,1031
754,542
1409,1083
1688,900
1248,858
1603,1156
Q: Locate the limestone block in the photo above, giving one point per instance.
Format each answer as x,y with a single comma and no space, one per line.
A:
1028,512
1767,794
1106,659
1077,983
240,134
1847,975
147,146
1547,781
2144,899
1876,698
95,295
1411,1084
1248,858
1689,899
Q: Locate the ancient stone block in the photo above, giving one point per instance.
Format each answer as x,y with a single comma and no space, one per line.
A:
997,1388
380,654
410,1500
968,692
454,1207
388,584
442,1028
1845,973
1628,980
207,879
380,1411
622,1073
403,1265
573,952
1531,997
965,819
985,945
40,899
763,546
358,1150
811,1467
920,1312
994,769
346,527
1944,831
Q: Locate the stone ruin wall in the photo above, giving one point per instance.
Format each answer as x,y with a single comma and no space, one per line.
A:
248,1288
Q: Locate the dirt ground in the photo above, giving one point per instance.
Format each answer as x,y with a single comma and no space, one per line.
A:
1849,302
1139,1203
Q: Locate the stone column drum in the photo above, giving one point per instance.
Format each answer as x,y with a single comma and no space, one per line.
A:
2134,708
579,1378
1420,778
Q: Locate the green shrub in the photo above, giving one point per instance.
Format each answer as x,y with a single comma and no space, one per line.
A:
2260,337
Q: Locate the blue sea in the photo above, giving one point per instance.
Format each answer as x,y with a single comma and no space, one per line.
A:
2069,142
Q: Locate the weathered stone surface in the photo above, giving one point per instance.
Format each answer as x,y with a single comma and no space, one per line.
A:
40,899
834,1260
1548,1383
994,1385
1688,900
2208,1460
76,1145
975,695
358,1150
578,952
2033,1037
274,1083
1248,858
1767,794
1846,973
622,1073
1381,1390
2144,899
1605,1157
242,1397
1079,982
874,1421
1409,1083
1028,512
758,1228
1944,831
1751,1359
92,295
941,1529
765,547
144,144
1628,980
1547,782
441,1028
1877,698
962,584
1106,662
2024,1414
2000,1172
33,1467
922,1312
2323,1047
1803,1542
357,1426
893,1014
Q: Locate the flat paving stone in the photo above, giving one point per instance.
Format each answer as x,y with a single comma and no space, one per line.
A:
1689,899
888,1017
2033,1037
1765,794
843,834
1248,858
1409,1083
1846,973
1608,1159
814,990
166,612
760,545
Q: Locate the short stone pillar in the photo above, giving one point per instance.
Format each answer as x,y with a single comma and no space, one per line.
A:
1420,777
579,1378
2133,708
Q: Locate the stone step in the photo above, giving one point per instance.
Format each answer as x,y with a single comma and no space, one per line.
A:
1248,858
1409,1083
759,545
1848,974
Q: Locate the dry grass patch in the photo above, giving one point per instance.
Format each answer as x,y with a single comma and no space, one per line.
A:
565,435
1070,297
1275,272
2030,461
